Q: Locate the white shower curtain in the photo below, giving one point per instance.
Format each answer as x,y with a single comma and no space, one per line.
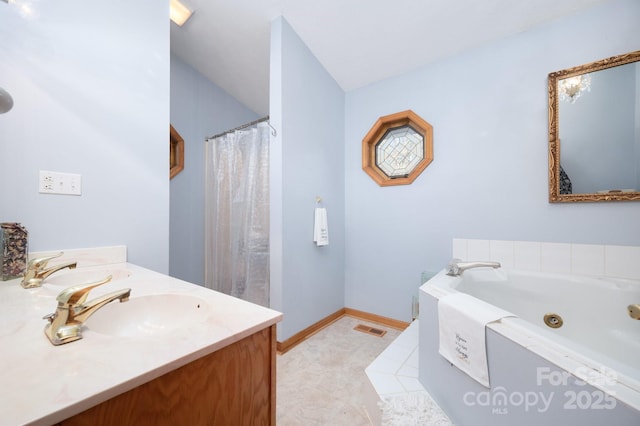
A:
237,214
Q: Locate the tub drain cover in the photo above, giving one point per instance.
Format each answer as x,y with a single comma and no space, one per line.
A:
553,320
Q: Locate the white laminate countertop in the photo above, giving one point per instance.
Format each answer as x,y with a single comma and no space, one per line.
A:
44,384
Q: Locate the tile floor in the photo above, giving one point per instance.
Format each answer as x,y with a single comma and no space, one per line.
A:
322,380
340,376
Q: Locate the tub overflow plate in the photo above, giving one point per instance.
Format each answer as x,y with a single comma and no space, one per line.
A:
553,320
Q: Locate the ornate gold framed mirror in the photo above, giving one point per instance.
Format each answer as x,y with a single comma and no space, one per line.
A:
176,152
594,131
397,148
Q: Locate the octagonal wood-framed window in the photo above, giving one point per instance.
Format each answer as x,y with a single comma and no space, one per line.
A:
397,148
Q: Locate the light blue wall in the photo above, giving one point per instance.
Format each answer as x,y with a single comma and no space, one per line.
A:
199,109
488,179
307,160
91,92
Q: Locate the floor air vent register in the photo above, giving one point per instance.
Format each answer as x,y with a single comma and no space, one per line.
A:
370,330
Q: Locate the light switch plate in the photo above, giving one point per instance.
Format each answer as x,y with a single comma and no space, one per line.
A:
59,183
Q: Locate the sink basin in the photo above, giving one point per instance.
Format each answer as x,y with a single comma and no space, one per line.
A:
150,316
69,278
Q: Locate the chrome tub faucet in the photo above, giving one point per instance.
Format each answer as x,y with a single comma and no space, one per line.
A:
65,324
36,272
456,267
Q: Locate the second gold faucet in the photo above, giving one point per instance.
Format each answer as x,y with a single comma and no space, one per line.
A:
36,272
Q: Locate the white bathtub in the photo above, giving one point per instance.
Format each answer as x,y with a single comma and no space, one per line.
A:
598,341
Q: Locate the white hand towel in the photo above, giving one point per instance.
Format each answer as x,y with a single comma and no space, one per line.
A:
320,229
462,321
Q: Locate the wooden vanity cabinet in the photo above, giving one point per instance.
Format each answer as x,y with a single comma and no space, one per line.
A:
232,386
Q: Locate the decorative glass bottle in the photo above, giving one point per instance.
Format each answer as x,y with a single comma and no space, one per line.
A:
13,250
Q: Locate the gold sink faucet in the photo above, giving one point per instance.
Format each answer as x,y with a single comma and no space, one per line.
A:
634,311
65,324
36,272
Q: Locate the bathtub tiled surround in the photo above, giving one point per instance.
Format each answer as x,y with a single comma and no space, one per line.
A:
395,386
395,370
565,258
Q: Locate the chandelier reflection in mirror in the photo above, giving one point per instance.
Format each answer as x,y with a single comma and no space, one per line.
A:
572,88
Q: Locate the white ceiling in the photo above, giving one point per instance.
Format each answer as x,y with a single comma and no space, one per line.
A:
357,41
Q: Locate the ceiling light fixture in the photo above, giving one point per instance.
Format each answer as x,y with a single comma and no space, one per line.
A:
571,88
6,101
178,12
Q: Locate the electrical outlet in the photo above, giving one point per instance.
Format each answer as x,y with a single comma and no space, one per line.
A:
60,183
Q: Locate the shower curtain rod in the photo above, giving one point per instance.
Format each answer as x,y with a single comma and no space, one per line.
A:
244,126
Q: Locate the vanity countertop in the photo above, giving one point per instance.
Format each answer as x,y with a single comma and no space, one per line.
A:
44,384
